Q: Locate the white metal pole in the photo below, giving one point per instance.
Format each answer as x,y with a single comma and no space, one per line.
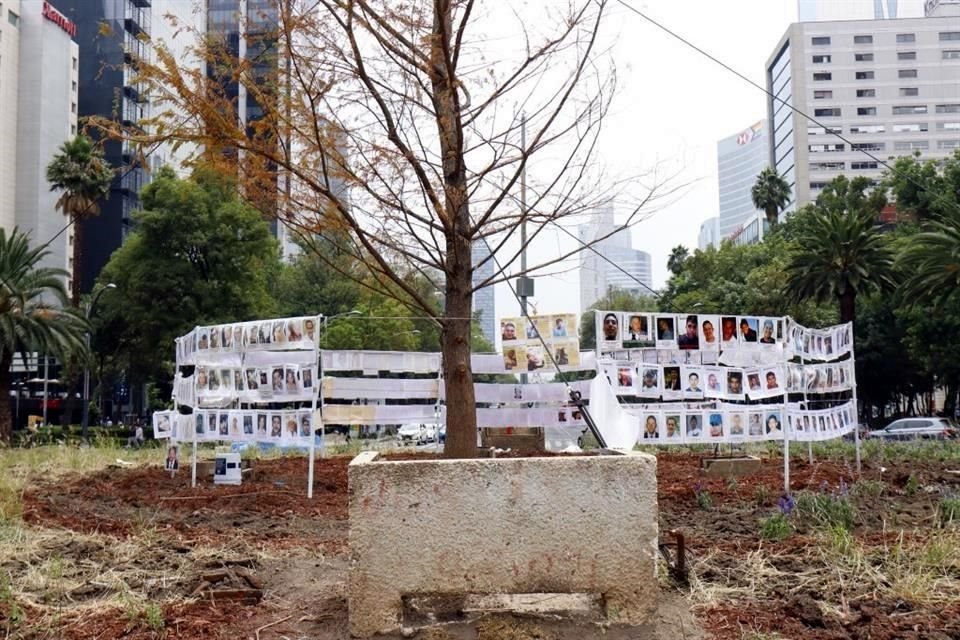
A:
856,407
806,406
193,427
313,412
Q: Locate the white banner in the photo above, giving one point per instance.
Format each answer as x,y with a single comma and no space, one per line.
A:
361,414
294,426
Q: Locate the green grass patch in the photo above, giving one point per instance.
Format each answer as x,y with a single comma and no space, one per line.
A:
826,511
776,527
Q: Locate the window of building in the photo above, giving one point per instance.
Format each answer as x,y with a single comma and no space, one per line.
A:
14,19
73,85
862,39
73,107
822,95
910,110
822,131
74,64
907,73
947,36
866,93
948,108
822,76
903,38
868,128
826,148
863,57
911,145
909,92
868,146
817,186
906,55
861,166
73,129
951,54
948,144
948,126
913,127
866,111
827,113
822,59
864,75
822,40
828,166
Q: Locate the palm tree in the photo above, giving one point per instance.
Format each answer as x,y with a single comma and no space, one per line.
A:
771,193
840,254
34,313
932,260
678,255
83,176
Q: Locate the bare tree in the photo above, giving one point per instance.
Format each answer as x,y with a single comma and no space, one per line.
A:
403,107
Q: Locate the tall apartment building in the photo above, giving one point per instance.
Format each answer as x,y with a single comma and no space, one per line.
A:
890,87
597,272
9,77
47,105
484,300
113,35
816,10
740,159
709,233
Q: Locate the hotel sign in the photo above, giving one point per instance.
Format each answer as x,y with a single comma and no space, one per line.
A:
57,18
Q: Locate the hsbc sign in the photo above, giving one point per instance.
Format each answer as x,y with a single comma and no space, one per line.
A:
57,18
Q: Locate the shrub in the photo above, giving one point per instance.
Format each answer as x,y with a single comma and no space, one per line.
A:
776,527
912,486
826,510
950,509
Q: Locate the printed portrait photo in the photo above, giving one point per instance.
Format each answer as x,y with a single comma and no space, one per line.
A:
773,423
203,343
692,382
266,333
310,329
709,332
279,332
261,424
248,424
755,424
558,326
694,425
237,380
199,419
728,330
212,423
625,377
251,338
508,331
651,426
226,379
671,379
734,383
748,329
535,359
202,379
276,379
771,381
650,381
253,382
290,381
227,337
638,328
767,332
736,421
714,382
513,356
689,337
716,425
276,425
215,337
666,331
609,327
224,424
753,381
294,330
307,378
306,425
214,380
672,424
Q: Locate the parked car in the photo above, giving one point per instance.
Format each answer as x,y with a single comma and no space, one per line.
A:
921,427
416,434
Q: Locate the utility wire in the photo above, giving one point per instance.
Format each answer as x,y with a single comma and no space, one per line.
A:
812,119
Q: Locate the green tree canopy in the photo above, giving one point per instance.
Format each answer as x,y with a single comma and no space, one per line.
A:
199,256
771,194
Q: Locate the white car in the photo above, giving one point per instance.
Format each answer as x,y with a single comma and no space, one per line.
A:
911,428
416,433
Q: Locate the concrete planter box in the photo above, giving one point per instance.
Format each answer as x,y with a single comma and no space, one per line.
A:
584,524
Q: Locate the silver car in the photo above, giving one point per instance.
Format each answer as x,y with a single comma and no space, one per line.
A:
913,428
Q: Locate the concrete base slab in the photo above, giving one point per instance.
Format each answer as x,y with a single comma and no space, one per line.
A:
487,527
724,467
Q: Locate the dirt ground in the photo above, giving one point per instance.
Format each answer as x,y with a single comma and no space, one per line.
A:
124,553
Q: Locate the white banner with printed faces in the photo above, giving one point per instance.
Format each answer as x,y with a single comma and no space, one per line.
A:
294,426
831,377
372,414
504,417
831,343
166,424
536,343
265,335
184,390
821,424
694,382
618,330
251,384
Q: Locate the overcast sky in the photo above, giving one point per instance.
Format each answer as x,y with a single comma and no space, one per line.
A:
674,105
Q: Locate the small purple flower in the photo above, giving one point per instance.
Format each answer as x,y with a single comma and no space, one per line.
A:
697,488
786,504
844,488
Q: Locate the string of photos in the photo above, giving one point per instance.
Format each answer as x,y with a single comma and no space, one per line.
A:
659,366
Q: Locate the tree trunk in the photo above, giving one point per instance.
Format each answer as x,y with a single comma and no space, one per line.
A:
6,420
773,216
848,306
77,255
461,440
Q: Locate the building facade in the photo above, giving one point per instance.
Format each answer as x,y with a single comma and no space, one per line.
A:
597,272
47,105
484,301
889,87
9,108
709,234
740,159
820,10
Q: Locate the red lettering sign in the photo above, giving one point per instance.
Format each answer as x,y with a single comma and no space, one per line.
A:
57,18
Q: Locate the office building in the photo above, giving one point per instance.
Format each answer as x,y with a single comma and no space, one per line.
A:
890,87
484,301
9,77
709,234
938,8
740,159
600,267
47,117
823,10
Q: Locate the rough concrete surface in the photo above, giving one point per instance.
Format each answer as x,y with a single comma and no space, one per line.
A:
510,525
725,467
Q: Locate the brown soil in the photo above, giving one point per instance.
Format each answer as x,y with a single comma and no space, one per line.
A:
304,558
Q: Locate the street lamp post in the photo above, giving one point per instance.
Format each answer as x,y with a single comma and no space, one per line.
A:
85,421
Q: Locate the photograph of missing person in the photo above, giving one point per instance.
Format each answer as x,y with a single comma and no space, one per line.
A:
709,336
261,424
748,330
290,381
238,380
203,343
224,423
250,335
736,420
161,425
202,379
671,379
211,423
226,337
513,357
692,382
753,380
774,426
767,335
172,463
666,331
294,330
714,382
735,383
265,333
214,380
638,328
562,415
609,327
535,359
310,329
253,380
248,424
558,326
650,381
625,377
276,379
755,424
198,423
672,425
279,332
215,337
306,425
508,331
694,425
306,376
226,379
770,378
291,427
234,424
716,425
728,330
689,337
276,425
